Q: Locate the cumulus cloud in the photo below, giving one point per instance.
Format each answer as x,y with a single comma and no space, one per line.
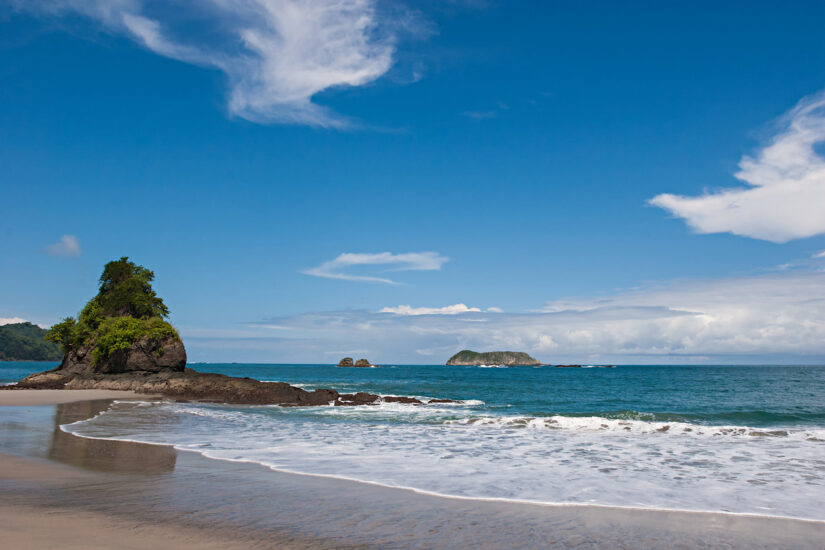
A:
773,317
785,197
446,310
276,54
11,320
410,261
68,246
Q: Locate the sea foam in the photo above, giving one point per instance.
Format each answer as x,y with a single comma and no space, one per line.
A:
452,450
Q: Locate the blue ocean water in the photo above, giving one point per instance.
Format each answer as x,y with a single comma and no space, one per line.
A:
13,371
743,439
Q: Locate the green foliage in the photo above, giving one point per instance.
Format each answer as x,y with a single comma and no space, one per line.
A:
24,342
126,289
125,310
119,333
465,355
63,333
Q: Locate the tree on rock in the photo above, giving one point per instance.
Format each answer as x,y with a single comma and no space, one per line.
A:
125,316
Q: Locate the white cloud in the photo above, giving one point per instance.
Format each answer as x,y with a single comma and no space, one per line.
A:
786,195
11,320
819,255
446,310
495,310
68,245
276,54
410,261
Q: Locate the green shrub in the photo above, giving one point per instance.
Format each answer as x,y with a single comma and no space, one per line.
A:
119,333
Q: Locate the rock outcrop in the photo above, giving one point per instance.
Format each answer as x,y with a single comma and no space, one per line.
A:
144,356
509,358
347,362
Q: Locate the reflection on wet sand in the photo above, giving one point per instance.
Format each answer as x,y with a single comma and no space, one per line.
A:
103,455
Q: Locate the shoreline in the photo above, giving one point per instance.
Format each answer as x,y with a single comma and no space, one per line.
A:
28,398
317,511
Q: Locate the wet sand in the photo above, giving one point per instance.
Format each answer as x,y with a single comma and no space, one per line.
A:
113,494
18,398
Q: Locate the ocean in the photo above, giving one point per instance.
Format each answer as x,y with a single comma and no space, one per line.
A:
746,439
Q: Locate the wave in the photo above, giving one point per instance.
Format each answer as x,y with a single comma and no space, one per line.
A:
629,425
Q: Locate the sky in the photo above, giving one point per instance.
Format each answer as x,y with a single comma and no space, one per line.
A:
589,182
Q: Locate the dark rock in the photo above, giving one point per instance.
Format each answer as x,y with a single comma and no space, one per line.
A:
345,362
362,363
145,355
355,399
433,401
568,366
187,385
401,399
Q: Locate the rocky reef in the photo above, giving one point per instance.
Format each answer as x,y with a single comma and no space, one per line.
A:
510,358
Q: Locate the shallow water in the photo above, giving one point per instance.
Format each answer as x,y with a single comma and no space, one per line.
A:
743,439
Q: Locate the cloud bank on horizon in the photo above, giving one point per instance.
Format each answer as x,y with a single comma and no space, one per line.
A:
785,199
276,54
689,321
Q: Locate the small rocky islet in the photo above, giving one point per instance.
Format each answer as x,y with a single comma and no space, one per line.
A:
347,362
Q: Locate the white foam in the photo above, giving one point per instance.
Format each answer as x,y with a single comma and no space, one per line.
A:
624,426
448,451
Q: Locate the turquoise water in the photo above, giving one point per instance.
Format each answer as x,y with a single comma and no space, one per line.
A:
747,395
742,439
12,371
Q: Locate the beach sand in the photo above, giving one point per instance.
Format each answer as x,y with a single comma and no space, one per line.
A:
59,490
18,398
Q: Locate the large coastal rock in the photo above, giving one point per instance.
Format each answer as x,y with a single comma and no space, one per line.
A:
510,358
121,340
145,355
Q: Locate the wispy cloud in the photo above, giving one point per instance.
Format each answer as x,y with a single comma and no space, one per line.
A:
487,113
786,194
276,54
68,246
410,261
454,309
819,255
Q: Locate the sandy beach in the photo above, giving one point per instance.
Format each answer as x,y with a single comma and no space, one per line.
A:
19,398
100,493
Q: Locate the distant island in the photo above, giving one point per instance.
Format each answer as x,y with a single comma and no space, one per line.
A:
347,362
512,358
25,342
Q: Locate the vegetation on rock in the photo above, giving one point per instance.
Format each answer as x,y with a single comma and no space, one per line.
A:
24,342
125,310
468,357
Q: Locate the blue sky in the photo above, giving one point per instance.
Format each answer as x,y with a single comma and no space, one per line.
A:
619,182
